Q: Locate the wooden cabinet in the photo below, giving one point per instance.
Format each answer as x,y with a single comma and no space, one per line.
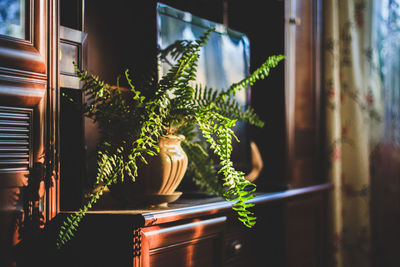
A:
206,232
306,231
262,245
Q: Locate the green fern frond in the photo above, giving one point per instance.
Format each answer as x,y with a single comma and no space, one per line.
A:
230,107
71,224
132,122
259,74
217,130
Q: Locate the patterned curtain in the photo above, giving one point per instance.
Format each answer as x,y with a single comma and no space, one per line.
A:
354,109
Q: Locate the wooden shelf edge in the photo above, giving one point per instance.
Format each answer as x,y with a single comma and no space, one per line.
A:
165,216
184,210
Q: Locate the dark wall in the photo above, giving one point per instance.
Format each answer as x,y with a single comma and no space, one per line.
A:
208,9
120,36
264,26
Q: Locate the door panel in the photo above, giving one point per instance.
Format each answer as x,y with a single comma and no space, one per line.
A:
23,89
22,124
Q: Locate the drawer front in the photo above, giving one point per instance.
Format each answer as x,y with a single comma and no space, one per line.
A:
197,243
259,246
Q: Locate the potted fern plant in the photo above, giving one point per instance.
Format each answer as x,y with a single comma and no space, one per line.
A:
134,120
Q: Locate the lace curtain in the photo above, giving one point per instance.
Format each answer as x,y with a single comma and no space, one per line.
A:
362,91
354,110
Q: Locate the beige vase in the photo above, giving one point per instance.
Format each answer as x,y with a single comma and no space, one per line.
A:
156,181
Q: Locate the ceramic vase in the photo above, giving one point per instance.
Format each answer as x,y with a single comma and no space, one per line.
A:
157,181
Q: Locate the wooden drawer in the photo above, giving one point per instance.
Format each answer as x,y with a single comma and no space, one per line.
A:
239,247
259,246
197,243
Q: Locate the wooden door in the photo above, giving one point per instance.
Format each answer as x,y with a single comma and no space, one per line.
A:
24,83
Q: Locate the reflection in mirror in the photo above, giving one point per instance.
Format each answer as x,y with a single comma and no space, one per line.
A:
223,61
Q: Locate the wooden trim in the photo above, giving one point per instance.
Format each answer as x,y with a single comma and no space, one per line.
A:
290,90
158,217
52,168
82,15
72,35
189,209
302,91
318,10
78,40
21,92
